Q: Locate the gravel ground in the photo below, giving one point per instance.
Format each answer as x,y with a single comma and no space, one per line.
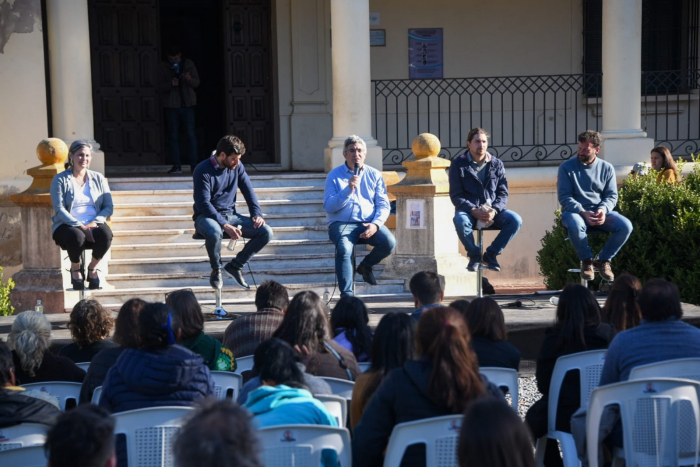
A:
527,394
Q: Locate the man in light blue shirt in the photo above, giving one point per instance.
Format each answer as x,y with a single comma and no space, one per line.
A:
357,206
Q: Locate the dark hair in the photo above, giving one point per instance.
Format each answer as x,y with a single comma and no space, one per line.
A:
218,433
83,436
89,323
476,131
271,294
461,305
153,325
188,312
590,136
577,309
668,159
621,308
173,49
304,323
492,434
443,337
275,360
230,144
660,300
350,315
426,287
126,326
485,318
7,367
392,346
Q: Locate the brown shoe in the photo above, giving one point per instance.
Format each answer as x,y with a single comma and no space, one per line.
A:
604,269
587,273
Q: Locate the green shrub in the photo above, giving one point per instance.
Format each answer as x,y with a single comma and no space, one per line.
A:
6,307
665,242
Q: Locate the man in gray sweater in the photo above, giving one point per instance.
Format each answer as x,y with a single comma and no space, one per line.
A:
587,189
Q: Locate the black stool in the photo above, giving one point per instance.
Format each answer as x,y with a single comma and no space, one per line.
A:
83,265
479,274
219,311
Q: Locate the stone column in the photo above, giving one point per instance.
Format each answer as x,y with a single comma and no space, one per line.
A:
352,89
434,245
41,277
624,142
71,75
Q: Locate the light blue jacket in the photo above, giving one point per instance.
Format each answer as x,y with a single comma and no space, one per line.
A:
371,204
282,405
62,196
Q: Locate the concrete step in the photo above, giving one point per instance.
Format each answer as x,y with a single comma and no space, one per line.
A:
139,237
185,195
184,182
195,248
120,224
276,206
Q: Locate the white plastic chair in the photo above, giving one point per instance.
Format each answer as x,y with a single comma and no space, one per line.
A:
650,409
243,364
590,366
62,390
503,377
301,445
440,436
96,395
336,405
22,436
150,434
225,380
685,368
364,366
340,387
32,456
83,365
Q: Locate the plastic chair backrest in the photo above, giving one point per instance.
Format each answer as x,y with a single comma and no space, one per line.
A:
685,368
440,436
22,435
590,366
243,364
301,445
650,410
96,395
225,380
150,433
364,366
32,456
503,377
340,387
83,365
62,390
336,405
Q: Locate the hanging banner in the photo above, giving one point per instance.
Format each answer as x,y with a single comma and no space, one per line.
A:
425,53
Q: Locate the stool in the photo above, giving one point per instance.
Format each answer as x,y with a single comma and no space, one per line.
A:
84,265
479,274
219,311
354,269
589,231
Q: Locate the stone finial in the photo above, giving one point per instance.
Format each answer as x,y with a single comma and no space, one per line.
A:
427,174
426,145
52,151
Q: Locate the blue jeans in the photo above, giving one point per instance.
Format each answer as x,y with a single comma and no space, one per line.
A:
213,234
615,223
344,236
508,222
173,118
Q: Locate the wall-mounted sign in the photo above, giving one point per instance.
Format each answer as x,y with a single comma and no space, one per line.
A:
374,19
415,213
425,53
377,37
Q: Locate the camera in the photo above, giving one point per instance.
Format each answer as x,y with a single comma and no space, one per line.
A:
641,168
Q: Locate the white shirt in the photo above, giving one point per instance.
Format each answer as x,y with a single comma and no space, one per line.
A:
83,208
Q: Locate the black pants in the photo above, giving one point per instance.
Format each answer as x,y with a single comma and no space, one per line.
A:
72,239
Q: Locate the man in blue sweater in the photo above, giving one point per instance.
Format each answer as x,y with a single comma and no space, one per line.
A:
587,190
216,183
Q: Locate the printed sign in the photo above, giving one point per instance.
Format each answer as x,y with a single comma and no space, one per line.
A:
415,214
425,53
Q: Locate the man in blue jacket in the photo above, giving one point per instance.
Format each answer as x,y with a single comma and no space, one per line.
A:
216,183
479,191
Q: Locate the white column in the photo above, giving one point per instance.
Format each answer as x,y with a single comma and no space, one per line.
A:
352,89
71,75
624,142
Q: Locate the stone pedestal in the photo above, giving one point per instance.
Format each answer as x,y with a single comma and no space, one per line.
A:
430,245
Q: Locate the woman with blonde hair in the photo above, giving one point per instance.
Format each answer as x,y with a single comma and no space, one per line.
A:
662,162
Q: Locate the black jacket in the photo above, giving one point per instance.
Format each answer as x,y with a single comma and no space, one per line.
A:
501,354
86,353
16,408
52,368
402,397
96,374
466,190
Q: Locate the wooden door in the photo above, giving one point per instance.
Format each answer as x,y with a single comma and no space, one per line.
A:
247,60
124,52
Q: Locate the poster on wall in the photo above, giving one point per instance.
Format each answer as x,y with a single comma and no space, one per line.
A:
425,53
415,214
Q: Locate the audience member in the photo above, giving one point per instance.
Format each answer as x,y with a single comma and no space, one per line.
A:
621,308
126,336
350,325
662,162
189,315
244,334
17,405
219,433
660,336
577,328
262,357
305,328
159,373
461,305
442,382
492,434
30,339
392,346
89,326
427,290
489,337
82,437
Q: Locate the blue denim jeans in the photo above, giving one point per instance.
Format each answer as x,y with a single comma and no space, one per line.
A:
508,222
213,234
173,118
615,223
344,236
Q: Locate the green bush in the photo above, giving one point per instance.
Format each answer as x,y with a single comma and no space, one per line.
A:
665,242
6,307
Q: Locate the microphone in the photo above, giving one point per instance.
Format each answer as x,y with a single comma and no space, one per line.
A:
357,168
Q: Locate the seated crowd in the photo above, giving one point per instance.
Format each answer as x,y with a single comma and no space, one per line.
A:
423,365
